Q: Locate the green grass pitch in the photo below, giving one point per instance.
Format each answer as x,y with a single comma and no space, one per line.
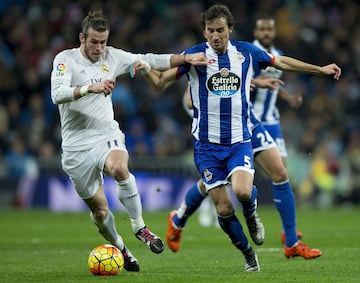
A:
41,246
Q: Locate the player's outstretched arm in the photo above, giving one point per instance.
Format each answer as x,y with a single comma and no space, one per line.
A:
263,82
158,80
294,100
161,80
293,65
197,59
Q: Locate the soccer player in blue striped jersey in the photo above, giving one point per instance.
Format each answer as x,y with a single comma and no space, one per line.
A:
220,92
264,99
264,102
267,156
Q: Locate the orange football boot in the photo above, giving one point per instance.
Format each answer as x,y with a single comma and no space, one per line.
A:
173,235
301,249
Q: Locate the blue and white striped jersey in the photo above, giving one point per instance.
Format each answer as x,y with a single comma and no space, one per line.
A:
220,91
263,99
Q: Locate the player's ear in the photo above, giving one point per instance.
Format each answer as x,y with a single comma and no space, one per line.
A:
82,37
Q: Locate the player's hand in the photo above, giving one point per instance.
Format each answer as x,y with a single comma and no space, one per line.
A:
109,85
196,59
139,65
263,82
105,87
333,70
296,100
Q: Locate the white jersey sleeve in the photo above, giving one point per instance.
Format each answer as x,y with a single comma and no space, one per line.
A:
61,76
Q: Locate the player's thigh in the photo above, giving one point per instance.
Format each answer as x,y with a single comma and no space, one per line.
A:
241,183
210,162
276,133
83,171
116,164
272,164
241,168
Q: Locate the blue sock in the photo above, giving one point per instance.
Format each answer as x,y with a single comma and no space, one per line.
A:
285,203
233,228
249,206
193,200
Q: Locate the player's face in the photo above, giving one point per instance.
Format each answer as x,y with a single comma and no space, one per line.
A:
217,34
265,32
94,44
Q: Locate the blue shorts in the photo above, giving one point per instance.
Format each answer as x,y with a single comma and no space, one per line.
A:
261,139
216,163
277,135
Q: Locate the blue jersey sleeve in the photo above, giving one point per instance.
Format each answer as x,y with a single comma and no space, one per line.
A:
261,59
185,68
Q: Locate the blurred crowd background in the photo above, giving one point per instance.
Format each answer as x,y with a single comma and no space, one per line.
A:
322,136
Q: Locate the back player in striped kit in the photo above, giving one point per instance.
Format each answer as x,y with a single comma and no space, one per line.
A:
220,94
264,102
263,99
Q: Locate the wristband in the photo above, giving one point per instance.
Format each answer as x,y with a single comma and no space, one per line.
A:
147,68
84,90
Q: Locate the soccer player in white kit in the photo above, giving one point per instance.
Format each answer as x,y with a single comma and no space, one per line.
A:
220,92
82,80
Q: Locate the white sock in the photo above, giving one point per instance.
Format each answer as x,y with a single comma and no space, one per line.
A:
130,198
108,231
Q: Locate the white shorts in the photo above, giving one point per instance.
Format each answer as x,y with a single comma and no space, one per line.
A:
85,168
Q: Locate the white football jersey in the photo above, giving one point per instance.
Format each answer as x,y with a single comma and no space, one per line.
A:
90,119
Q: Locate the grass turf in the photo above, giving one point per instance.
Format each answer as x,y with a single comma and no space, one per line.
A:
41,246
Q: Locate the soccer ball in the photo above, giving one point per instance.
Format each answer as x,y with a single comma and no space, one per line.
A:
105,259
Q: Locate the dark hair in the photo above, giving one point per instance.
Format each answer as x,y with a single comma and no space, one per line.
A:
215,12
96,21
265,17
261,17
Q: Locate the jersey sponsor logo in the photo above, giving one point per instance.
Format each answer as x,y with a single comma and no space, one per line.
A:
224,83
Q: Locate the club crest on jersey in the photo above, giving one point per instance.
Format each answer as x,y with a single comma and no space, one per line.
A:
224,83
208,175
241,57
104,68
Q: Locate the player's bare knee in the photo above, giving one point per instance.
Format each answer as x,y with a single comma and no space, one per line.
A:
119,171
243,194
224,209
280,175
